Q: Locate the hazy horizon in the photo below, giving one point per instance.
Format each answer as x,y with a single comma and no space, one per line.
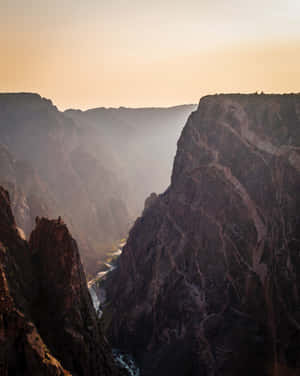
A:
136,54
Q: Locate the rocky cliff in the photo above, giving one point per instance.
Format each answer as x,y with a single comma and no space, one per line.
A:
209,281
28,193
94,168
43,140
48,325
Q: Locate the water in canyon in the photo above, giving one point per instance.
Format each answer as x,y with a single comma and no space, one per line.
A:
98,295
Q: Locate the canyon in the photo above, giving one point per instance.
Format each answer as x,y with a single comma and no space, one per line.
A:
208,282
93,168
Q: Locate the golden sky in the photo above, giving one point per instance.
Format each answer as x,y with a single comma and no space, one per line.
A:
88,53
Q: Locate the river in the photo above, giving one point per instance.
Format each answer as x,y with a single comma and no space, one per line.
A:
122,359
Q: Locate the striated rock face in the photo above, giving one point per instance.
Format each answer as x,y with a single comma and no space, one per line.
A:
48,325
209,281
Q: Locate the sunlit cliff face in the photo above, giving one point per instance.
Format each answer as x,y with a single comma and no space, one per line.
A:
140,53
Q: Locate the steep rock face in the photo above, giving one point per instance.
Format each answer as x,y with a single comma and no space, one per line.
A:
39,136
94,168
43,295
22,351
63,302
29,195
210,275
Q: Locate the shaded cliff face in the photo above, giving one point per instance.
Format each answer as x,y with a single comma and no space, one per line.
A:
42,139
48,325
22,350
28,193
64,302
210,275
94,168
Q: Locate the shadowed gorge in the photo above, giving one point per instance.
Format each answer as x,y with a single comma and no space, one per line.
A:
150,188
93,168
208,282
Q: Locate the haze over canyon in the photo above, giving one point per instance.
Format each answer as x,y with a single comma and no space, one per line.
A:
207,283
149,188
93,168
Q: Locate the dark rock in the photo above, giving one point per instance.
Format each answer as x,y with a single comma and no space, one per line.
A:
63,302
150,200
210,275
85,165
48,325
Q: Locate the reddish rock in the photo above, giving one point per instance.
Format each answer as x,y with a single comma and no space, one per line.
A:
209,280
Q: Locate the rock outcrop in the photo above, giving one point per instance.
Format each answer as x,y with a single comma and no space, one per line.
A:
210,275
48,325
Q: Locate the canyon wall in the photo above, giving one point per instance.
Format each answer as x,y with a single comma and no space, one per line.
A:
209,280
93,168
48,325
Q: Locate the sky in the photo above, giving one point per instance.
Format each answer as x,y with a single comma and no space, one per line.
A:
91,53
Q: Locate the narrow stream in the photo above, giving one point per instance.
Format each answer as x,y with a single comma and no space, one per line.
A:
123,360
126,361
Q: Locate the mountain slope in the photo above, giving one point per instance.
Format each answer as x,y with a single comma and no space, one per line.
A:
140,145
93,168
48,325
29,195
210,275
36,134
